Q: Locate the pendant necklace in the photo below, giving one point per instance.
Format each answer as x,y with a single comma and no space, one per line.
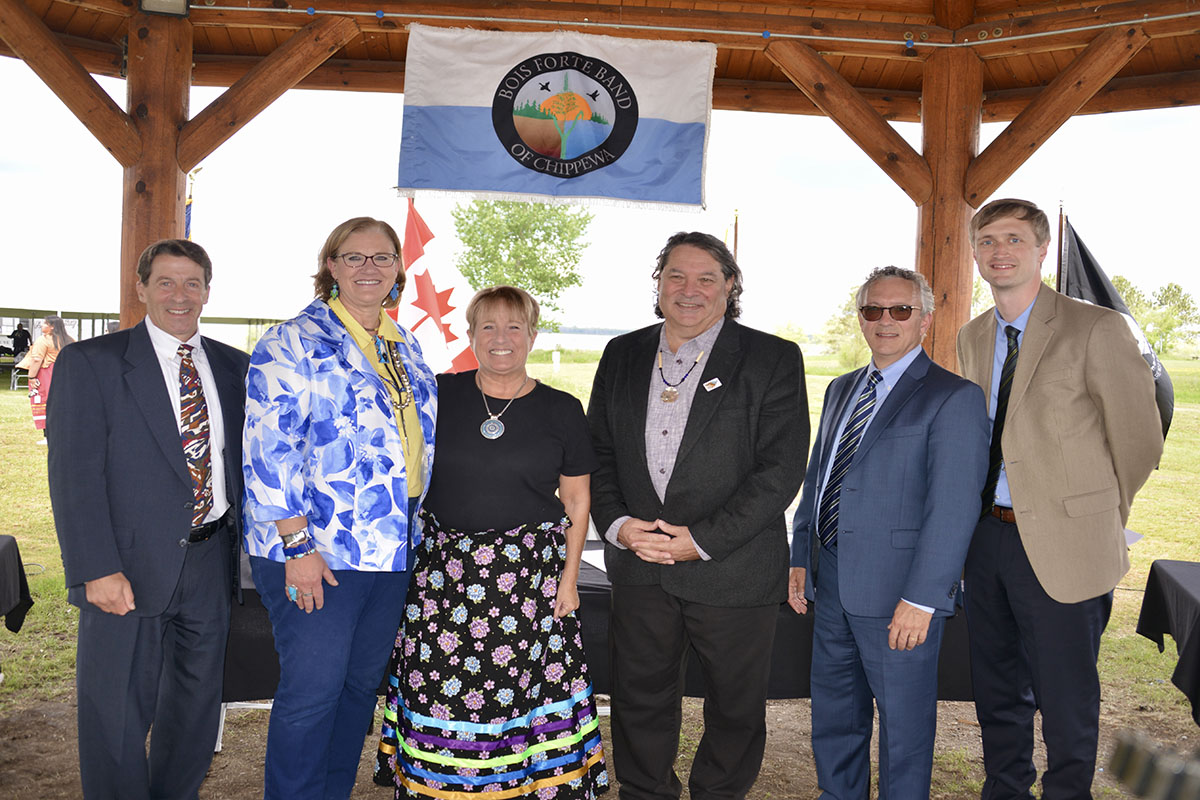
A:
670,394
390,359
492,427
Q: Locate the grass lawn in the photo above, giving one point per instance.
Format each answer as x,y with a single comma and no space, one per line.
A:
38,663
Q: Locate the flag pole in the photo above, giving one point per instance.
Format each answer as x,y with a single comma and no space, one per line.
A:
187,206
1062,247
735,234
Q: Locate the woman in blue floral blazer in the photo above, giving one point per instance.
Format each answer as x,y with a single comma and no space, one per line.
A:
338,444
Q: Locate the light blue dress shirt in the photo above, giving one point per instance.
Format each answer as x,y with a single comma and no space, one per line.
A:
889,375
1003,495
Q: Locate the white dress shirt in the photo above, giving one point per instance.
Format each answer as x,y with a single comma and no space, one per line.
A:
166,347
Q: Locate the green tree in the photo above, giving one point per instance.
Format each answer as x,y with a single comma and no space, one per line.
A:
792,331
532,246
1134,297
844,337
981,297
1171,320
1168,317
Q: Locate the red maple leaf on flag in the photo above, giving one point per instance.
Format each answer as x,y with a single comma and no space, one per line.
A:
464,361
435,304
416,235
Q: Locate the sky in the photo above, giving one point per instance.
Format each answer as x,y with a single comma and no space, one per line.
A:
816,214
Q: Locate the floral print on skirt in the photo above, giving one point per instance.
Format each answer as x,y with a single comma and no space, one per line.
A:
488,692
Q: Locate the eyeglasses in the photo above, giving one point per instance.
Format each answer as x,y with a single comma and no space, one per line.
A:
356,260
875,313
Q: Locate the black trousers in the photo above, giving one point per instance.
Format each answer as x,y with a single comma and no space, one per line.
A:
1031,652
133,672
650,632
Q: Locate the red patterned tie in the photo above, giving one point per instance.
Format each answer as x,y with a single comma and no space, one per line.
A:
193,412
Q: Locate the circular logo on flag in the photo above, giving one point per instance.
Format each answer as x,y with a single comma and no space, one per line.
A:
564,114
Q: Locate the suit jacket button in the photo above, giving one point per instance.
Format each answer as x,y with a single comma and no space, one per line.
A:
183,542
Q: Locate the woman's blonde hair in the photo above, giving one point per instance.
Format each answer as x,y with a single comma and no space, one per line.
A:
517,300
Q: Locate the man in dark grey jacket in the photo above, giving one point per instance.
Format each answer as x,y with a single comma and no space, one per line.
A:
701,426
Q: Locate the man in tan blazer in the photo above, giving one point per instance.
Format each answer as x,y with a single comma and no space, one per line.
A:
1075,435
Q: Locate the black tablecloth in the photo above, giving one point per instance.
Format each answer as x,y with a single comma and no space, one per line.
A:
1172,605
15,600
252,668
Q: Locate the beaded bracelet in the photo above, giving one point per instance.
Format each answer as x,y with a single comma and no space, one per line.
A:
300,550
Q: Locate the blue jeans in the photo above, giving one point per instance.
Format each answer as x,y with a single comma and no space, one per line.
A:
331,663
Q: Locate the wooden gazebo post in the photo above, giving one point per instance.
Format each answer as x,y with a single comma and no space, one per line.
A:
951,111
159,79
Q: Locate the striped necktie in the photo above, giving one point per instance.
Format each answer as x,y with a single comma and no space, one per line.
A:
996,456
827,516
193,413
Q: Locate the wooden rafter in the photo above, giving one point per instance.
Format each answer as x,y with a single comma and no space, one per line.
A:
724,28
261,85
834,95
1078,23
953,13
1065,95
1137,93
32,41
1169,90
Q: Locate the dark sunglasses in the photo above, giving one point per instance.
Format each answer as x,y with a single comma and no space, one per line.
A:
875,313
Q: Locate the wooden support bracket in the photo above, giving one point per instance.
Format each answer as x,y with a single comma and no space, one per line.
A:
854,114
1063,97
49,58
286,66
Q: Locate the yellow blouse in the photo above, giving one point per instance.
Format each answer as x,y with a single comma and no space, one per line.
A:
406,419
43,351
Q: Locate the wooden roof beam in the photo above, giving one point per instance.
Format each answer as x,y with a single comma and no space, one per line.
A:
38,47
842,103
118,8
1138,93
1064,30
724,28
953,14
781,98
261,86
1065,95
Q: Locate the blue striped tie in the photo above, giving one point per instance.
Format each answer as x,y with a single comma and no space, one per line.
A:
827,517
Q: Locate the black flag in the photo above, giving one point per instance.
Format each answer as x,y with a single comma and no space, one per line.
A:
1083,279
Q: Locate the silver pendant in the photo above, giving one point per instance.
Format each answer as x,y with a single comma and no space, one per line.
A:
491,428
669,394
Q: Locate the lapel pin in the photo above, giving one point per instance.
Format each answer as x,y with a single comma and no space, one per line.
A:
715,383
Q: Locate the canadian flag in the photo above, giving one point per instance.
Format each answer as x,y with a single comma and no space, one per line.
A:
434,315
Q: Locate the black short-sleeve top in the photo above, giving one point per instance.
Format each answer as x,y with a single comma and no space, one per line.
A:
499,484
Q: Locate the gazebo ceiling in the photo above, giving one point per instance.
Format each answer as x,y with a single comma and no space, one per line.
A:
879,46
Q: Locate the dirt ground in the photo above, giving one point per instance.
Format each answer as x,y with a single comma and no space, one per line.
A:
36,743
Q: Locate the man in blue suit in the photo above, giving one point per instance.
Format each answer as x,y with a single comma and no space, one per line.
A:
890,501
146,485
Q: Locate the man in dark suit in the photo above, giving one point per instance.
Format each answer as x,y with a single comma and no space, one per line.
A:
20,339
145,481
890,501
1075,434
697,423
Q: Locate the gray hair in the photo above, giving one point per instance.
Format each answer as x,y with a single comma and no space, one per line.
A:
916,278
